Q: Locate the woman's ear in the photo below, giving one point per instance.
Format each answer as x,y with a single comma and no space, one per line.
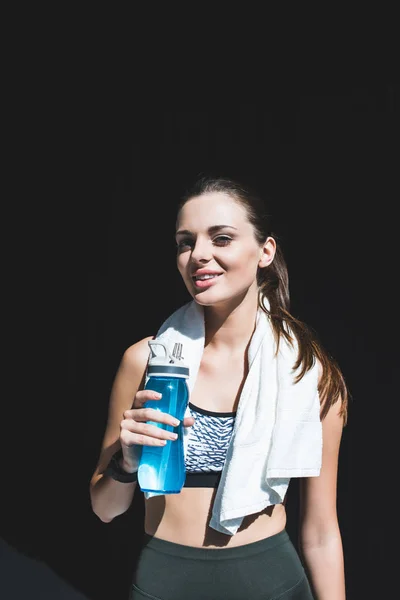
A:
267,253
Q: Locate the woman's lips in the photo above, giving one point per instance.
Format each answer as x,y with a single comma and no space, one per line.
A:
205,283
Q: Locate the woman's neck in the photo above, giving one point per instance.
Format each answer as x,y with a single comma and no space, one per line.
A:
230,328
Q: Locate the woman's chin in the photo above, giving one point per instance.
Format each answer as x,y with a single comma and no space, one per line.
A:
203,297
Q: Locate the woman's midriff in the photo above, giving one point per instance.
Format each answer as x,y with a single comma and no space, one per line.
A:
183,519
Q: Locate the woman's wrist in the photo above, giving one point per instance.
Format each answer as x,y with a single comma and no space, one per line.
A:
129,460
122,470
128,466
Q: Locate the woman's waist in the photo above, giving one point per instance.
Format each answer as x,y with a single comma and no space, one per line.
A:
184,519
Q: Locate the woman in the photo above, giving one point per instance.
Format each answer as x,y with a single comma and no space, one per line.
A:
234,271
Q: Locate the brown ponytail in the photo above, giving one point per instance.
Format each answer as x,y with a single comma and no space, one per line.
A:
273,284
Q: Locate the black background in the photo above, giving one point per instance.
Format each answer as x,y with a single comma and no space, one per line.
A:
328,161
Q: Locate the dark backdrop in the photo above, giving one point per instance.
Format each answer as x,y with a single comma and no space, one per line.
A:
327,158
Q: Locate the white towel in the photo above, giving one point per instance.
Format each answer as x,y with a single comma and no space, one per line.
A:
278,431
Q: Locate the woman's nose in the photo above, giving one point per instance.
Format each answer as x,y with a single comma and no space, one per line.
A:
202,251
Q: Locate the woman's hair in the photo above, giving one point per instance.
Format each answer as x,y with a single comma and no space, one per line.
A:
273,282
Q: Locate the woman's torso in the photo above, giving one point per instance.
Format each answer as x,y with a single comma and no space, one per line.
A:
183,518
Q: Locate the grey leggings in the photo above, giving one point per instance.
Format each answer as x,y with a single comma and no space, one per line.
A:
266,570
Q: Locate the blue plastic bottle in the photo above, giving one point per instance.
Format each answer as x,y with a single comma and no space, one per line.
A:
162,468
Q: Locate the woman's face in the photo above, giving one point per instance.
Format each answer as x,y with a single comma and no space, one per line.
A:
218,255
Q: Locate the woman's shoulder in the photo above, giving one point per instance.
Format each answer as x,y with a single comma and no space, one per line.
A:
136,356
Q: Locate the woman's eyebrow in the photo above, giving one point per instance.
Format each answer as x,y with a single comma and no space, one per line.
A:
211,229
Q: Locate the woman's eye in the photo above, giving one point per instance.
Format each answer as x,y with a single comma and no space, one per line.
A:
184,243
222,240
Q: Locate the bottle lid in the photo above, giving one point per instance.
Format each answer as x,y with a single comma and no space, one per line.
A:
165,363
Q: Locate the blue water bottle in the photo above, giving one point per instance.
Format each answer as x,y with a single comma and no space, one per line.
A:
162,468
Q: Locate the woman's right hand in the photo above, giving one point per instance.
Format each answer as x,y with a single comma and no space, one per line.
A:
135,432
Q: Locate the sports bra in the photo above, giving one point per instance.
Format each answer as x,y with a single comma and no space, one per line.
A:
208,443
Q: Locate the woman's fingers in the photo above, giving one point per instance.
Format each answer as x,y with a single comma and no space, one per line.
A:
143,396
150,414
137,427
140,425
129,439
148,430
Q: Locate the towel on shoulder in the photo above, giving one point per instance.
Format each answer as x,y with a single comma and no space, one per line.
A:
278,431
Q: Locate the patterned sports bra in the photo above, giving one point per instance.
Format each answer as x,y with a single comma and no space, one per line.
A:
208,443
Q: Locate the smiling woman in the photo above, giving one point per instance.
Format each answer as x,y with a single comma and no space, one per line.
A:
267,404
229,253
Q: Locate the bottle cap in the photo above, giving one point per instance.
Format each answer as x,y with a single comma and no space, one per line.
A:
162,362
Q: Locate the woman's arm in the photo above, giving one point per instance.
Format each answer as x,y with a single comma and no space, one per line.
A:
110,498
320,542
